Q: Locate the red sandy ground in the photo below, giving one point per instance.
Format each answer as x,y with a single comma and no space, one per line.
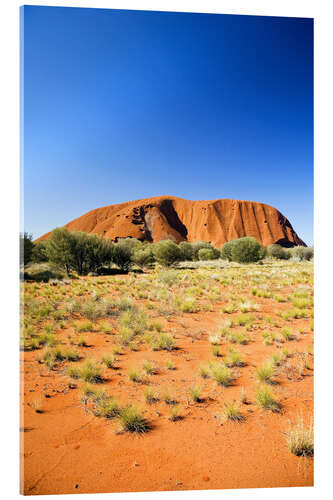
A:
69,450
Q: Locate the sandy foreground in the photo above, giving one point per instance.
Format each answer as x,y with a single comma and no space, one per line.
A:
67,449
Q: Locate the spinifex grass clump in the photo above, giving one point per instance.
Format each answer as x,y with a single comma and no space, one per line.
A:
85,326
174,414
135,375
107,408
234,359
221,374
195,393
232,411
266,372
109,360
300,439
149,367
265,398
166,342
169,364
204,370
150,395
133,421
89,371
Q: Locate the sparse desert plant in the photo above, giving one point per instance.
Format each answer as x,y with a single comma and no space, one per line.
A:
169,364
287,334
37,406
84,326
73,372
133,421
187,305
243,396
166,342
150,395
266,372
149,367
174,414
106,407
232,411
265,398
214,339
106,328
195,393
90,371
215,350
238,338
117,350
234,359
221,374
167,398
300,439
204,370
109,360
135,375
82,341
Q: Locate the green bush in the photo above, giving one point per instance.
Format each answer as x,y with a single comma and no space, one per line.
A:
122,253
39,252
167,252
60,248
187,250
226,250
302,253
247,249
206,254
278,252
26,248
143,256
199,245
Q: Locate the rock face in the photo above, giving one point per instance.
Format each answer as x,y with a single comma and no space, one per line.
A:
168,217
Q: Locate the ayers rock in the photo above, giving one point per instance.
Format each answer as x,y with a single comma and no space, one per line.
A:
169,217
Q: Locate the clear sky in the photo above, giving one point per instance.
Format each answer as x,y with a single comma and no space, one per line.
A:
121,105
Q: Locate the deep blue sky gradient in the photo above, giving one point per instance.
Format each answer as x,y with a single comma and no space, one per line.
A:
121,105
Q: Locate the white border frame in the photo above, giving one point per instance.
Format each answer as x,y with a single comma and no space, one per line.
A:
322,11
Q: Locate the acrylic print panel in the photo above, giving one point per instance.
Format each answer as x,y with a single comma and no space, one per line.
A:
167,275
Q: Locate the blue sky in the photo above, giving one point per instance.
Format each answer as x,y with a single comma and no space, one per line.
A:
121,105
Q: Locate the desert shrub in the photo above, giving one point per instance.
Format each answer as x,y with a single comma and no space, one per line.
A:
143,257
169,276
167,252
302,253
39,252
200,245
122,253
43,272
26,248
187,250
60,248
278,252
226,250
206,254
247,249
98,253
